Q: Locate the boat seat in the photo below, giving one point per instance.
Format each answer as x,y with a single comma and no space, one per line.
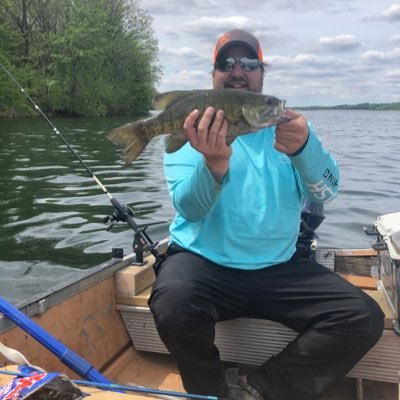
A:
252,341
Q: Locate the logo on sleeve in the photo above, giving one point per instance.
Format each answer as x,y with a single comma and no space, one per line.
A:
321,191
330,178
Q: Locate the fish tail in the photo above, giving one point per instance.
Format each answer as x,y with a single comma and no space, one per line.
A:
132,138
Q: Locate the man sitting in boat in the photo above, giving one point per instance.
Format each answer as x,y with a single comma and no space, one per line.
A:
233,250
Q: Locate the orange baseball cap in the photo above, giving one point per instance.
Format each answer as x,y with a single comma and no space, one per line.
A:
237,36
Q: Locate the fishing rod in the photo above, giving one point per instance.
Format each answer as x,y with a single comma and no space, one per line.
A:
127,388
122,212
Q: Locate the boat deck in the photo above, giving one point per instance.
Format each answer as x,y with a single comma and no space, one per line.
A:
86,316
161,373
167,378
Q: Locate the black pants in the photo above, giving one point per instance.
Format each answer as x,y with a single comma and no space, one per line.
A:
337,322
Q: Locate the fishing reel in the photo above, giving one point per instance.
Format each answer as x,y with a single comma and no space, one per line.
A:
119,215
141,240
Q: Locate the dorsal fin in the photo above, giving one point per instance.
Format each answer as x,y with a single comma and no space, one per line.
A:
162,101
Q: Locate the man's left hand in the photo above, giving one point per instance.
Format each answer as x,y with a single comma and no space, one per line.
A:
291,136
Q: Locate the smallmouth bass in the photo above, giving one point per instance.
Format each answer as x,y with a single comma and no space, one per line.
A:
244,111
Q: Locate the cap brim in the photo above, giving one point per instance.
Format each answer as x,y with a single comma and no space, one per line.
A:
235,43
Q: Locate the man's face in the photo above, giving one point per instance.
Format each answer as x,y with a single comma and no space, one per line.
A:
237,78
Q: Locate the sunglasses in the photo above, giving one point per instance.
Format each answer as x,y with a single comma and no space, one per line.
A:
246,64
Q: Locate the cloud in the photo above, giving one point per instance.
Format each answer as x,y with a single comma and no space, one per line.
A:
303,78
187,80
339,43
216,26
311,60
395,39
382,56
307,61
179,52
393,73
173,7
213,7
392,14
179,58
374,56
325,6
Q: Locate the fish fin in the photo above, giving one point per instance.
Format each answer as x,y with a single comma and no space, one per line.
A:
174,142
131,138
162,101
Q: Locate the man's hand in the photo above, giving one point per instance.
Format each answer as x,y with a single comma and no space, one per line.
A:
209,139
291,136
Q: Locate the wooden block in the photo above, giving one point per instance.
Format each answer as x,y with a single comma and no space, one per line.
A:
363,282
356,253
355,265
134,279
138,300
380,298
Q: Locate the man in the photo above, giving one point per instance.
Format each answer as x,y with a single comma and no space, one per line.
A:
233,250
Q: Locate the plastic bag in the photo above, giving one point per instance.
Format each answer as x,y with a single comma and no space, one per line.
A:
37,385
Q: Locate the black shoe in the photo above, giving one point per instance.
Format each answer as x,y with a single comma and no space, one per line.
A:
238,388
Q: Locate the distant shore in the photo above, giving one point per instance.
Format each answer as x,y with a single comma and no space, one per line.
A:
361,106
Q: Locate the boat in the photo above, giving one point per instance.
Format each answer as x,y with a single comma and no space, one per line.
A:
103,316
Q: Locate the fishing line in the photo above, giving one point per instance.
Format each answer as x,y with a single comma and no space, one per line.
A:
58,133
123,213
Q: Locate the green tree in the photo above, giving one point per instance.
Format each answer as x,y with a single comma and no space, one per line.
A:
87,57
11,50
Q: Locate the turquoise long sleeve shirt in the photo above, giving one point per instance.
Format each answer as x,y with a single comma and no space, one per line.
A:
251,219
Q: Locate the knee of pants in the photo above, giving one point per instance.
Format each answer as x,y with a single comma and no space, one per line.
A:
376,320
178,311
367,321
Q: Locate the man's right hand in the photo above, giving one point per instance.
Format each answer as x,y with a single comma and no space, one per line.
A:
209,138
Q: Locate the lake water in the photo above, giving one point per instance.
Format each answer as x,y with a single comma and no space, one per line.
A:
51,210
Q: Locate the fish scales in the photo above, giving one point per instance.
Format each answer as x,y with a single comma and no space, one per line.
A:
172,119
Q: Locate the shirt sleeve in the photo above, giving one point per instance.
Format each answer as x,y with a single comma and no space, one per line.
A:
192,187
318,170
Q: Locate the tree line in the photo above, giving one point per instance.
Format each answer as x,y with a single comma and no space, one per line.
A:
371,106
360,106
77,57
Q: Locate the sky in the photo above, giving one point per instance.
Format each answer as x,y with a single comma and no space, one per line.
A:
319,52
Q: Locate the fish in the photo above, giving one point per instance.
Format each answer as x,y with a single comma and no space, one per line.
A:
244,111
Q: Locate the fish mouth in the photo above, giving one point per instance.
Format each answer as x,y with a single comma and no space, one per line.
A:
281,110
280,114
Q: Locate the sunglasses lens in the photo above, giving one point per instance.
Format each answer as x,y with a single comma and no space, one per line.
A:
226,64
247,64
